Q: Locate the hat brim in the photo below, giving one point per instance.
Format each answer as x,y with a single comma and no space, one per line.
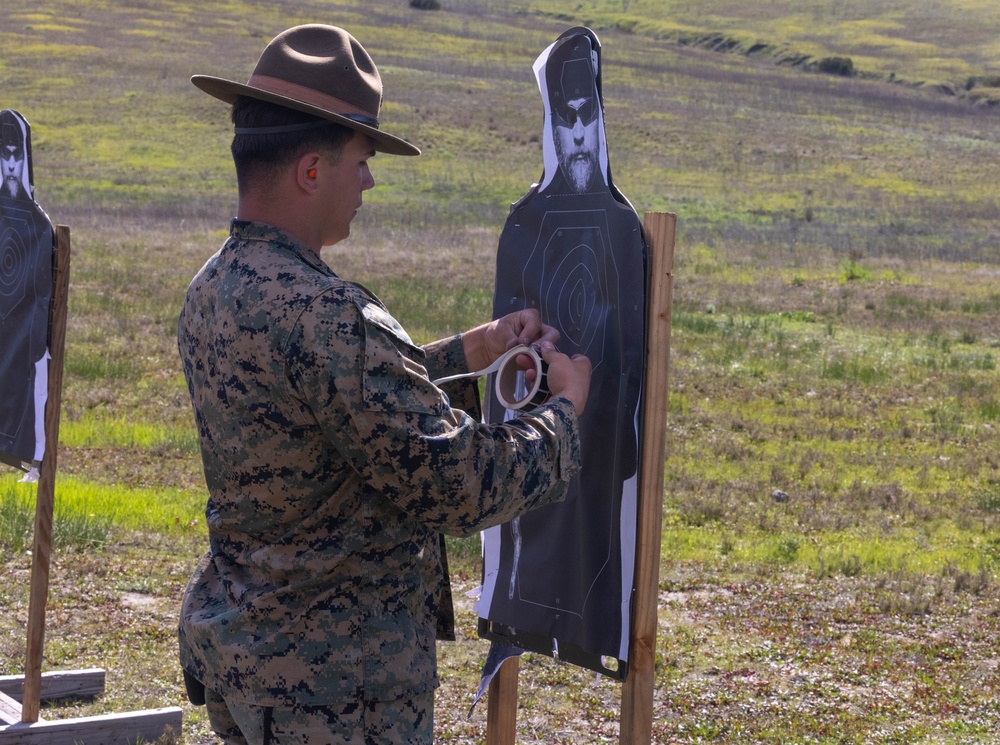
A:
229,91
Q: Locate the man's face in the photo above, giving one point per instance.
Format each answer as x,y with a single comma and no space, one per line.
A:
346,178
576,141
11,167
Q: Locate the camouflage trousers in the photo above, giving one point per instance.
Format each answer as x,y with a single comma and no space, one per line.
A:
356,722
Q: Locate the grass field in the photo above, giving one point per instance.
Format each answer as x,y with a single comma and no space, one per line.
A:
831,541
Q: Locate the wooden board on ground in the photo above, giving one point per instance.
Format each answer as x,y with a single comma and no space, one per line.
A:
82,684
107,729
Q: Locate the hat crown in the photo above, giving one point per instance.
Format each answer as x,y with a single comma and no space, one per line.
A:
324,59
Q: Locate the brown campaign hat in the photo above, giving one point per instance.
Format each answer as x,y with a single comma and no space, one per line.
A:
321,70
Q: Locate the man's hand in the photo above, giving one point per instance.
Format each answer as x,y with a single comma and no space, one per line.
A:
567,377
488,342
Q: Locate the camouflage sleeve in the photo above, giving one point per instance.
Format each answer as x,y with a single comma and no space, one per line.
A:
447,357
372,395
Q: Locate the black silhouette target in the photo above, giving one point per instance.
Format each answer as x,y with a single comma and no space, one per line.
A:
26,253
558,579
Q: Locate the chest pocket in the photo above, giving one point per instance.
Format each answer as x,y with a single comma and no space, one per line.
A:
395,378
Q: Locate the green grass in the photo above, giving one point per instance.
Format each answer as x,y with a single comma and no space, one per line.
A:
850,552
87,513
97,431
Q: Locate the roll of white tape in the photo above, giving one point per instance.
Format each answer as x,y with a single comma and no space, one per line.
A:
510,383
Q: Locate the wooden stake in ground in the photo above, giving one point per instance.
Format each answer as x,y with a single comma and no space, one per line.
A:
501,718
45,506
637,691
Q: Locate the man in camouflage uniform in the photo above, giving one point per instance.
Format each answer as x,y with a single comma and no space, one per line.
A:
333,463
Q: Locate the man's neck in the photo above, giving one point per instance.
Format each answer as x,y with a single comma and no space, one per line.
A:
281,214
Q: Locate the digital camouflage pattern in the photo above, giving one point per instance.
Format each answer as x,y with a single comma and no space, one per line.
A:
333,465
409,719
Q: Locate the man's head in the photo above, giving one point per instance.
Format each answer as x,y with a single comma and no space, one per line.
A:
576,109
269,137
13,154
300,173
306,125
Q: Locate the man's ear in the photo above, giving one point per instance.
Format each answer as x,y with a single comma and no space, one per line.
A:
307,172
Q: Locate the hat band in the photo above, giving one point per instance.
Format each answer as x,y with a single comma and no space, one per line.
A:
280,128
313,98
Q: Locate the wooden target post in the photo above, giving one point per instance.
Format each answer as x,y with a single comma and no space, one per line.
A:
21,697
636,725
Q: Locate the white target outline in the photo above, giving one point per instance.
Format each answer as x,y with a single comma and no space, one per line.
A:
585,263
575,302
14,270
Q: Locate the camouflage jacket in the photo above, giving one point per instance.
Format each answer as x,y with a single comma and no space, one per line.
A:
333,465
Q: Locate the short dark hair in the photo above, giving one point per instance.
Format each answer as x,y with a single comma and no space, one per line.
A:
258,156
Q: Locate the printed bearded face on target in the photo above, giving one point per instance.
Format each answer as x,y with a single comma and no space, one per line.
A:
11,157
